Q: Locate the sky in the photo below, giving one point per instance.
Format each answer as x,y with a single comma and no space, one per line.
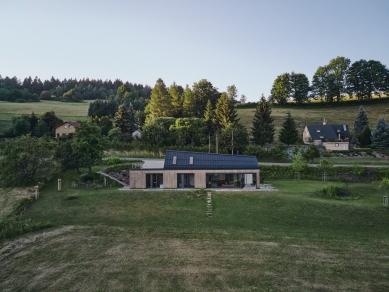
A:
247,43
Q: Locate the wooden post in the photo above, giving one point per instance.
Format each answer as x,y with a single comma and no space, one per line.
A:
59,185
36,192
105,181
258,180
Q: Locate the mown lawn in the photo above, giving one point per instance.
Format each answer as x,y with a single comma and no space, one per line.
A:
293,239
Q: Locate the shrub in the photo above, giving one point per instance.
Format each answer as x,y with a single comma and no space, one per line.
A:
357,169
330,191
88,177
384,184
113,160
201,191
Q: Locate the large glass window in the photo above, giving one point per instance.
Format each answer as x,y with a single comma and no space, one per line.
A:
185,180
225,180
154,180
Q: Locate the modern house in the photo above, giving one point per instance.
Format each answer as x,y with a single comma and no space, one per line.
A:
183,169
66,128
332,137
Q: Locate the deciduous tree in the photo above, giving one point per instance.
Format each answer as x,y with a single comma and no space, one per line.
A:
280,91
299,87
204,91
88,145
26,161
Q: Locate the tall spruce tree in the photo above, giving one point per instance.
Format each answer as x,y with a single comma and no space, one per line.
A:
380,135
160,101
209,117
361,121
189,105
225,112
177,94
364,138
263,128
125,119
289,134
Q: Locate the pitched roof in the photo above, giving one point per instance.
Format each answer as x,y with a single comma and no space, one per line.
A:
74,124
327,131
201,160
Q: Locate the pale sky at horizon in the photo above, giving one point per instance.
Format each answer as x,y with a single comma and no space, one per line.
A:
246,43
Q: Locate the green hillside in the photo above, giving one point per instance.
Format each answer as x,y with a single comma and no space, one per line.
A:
344,114
66,111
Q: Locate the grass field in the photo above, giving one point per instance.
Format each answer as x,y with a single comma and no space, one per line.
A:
290,240
64,110
344,114
335,115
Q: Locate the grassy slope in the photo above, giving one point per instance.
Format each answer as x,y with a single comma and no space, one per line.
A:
65,111
335,115
293,239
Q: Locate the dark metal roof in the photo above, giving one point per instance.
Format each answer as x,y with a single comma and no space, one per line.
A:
330,132
206,161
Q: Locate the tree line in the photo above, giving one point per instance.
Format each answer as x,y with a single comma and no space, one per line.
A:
70,90
333,82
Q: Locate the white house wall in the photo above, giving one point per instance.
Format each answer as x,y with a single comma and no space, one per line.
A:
336,146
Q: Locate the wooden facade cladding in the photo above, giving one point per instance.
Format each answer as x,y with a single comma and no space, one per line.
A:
137,178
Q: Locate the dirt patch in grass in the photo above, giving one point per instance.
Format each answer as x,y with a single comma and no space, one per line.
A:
9,198
105,258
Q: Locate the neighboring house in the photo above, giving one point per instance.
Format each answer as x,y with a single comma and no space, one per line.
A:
66,128
183,169
136,134
332,137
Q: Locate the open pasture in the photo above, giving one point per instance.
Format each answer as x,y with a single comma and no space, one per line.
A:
344,114
67,111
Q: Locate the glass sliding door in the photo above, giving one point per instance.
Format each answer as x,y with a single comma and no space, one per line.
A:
185,180
154,180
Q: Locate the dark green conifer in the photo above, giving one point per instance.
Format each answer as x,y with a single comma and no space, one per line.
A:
263,128
361,121
380,135
289,134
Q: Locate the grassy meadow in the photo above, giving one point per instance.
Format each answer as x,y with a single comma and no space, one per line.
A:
67,111
344,114
293,239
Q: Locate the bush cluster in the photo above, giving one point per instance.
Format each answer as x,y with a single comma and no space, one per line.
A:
330,191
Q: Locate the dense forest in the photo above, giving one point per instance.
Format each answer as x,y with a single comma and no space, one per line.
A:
68,90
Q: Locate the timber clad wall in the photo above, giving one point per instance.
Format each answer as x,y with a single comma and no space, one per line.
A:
138,177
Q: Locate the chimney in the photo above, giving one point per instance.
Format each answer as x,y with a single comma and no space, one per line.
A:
325,121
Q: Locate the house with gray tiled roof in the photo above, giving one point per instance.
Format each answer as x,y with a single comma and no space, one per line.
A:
332,137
